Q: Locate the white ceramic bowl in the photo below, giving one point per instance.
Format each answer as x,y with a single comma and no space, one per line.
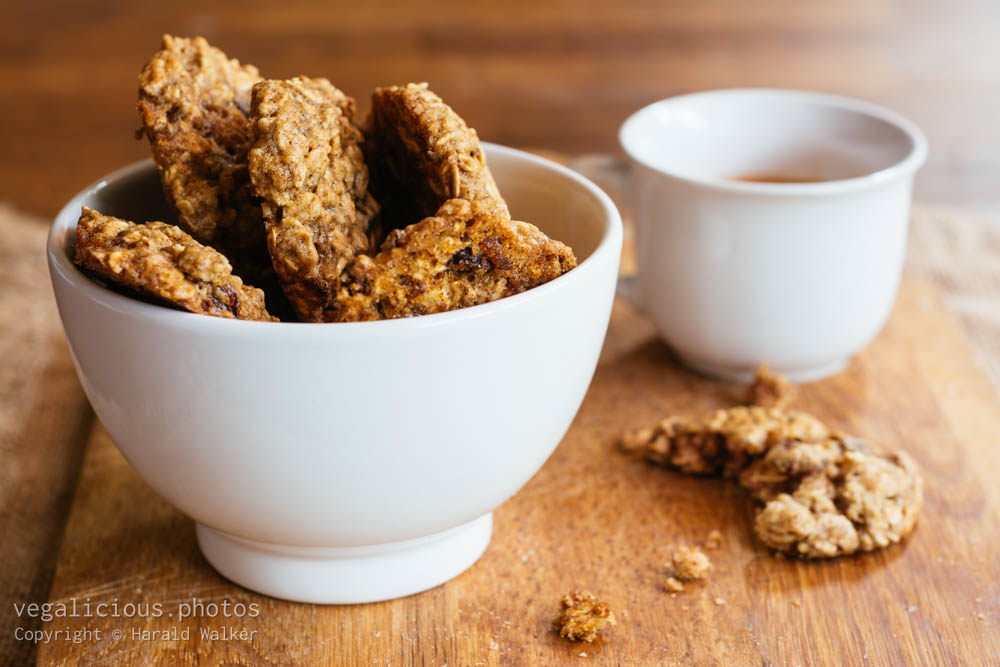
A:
354,462
797,275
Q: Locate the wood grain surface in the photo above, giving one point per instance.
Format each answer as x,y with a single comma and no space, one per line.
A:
595,518
44,421
561,74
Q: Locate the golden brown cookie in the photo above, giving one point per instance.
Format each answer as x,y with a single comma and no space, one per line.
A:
424,155
823,494
307,165
193,101
163,262
468,253
725,440
833,498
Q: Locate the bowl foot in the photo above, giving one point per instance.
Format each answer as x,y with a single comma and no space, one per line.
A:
740,373
346,575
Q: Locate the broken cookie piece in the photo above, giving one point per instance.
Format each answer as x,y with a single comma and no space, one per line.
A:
469,253
806,522
307,165
582,616
725,440
823,494
786,461
850,499
193,102
162,261
424,155
770,390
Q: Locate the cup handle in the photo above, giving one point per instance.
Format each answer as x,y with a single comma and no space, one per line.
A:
616,176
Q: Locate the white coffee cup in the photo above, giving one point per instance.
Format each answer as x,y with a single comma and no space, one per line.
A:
798,275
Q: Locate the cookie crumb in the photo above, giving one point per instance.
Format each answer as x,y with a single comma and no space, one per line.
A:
770,390
714,540
796,603
673,585
494,646
635,439
981,616
691,563
720,602
582,616
582,654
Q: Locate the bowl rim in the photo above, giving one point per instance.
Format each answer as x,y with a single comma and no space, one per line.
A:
909,164
60,264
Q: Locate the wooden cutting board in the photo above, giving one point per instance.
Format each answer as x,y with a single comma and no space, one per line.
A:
597,519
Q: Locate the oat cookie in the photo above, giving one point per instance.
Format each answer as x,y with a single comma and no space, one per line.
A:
834,498
582,616
823,494
307,165
193,102
468,253
424,155
724,441
163,262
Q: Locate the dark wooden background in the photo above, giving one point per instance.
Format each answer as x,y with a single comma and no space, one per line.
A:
555,75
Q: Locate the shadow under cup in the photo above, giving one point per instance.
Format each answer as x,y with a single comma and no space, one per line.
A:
771,225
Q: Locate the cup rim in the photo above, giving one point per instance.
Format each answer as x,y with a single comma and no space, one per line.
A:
907,165
62,265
